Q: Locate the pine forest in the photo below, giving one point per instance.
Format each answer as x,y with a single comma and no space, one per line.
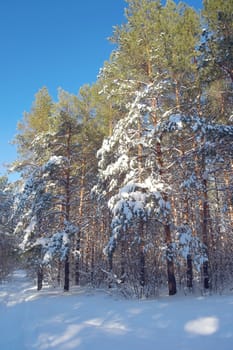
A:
128,185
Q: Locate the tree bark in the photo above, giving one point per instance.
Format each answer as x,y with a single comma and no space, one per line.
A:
77,261
67,206
205,218
67,274
170,262
142,268
189,273
40,277
171,277
167,230
80,213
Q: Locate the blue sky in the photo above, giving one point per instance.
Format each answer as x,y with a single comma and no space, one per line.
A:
53,43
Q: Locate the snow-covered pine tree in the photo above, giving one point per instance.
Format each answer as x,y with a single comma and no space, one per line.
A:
33,222
208,149
7,239
134,183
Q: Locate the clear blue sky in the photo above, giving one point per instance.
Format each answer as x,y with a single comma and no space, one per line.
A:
53,43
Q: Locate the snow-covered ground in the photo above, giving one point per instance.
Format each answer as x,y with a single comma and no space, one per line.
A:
98,321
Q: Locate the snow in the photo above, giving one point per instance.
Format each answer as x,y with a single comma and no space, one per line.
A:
27,232
87,319
175,122
203,326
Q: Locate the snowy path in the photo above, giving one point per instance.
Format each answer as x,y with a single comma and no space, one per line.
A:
52,320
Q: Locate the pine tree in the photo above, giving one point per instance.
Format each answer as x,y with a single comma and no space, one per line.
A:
218,36
30,139
7,240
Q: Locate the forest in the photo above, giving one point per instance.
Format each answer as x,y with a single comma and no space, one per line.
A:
128,185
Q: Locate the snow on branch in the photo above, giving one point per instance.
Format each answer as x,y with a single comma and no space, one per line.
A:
135,201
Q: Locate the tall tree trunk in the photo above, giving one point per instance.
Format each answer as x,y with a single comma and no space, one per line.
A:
229,195
141,224
142,280
92,262
67,274
80,213
40,277
67,207
122,258
167,230
59,273
77,261
189,272
142,258
205,219
203,206
110,267
170,262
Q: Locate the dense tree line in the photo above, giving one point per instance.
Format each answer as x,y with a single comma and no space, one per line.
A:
8,244
129,184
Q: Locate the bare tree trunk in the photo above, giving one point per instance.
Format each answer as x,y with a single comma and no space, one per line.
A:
205,219
80,213
142,280
59,273
92,262
110,267
40,277
170,262
67,208
67,274
189,272
167,231
77,261
142,258
228,191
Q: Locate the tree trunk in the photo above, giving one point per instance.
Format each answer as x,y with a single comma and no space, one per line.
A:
122,258
40,277
170,263
67,206
59,274
167,229
205,218
142,280
142,268
171,277
229,195
80,213
189,272
92,262
67,274
110,264
77,261
206,275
